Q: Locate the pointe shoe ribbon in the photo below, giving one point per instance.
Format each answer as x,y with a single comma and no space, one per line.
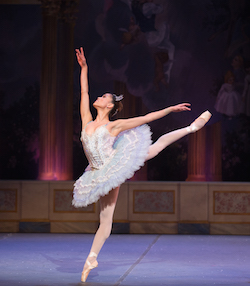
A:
199,122
91,266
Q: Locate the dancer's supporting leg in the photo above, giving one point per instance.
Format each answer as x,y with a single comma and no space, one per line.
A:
107,207
173,136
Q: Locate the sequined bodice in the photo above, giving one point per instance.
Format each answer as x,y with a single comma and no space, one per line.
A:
98,147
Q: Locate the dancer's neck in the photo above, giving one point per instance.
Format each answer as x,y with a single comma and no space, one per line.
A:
102,116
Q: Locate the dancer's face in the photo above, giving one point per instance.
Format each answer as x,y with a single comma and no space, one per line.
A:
105,101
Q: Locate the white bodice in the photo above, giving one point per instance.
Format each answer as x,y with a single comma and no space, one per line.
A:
98,147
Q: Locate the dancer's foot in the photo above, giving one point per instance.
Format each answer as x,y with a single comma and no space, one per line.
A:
199,122
90,264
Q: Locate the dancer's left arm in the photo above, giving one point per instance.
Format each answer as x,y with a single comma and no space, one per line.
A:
120,125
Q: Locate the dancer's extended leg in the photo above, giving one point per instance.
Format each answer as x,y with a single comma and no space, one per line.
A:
173,136
164,141
107,207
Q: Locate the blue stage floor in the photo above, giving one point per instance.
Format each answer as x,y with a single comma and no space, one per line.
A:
128,260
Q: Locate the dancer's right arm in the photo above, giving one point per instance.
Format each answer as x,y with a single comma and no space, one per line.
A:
119,125
84,104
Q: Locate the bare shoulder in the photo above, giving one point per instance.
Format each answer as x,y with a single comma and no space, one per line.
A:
86,121
113,127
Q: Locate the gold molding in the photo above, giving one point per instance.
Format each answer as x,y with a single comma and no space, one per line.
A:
152,221
194,222
10,220
34,220
231,222
117,221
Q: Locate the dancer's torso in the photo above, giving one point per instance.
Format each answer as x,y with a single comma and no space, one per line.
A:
98,147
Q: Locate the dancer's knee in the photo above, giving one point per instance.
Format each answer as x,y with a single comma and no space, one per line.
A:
105,229
108,232
154,150
106,224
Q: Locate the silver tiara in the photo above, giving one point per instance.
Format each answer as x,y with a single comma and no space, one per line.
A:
118,97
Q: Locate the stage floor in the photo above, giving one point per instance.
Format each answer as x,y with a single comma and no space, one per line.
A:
128,260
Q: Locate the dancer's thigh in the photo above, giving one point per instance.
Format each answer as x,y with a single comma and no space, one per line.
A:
108,202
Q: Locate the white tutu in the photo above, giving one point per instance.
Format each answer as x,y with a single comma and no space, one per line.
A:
131,149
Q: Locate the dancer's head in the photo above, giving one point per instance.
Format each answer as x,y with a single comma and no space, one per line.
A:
117,104
110,102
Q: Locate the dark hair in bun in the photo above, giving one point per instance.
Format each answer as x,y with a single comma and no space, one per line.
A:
117,105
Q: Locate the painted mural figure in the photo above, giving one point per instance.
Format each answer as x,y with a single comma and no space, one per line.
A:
246,91
233,22
131,35
229,100
145,12
161,58
238,72
115,150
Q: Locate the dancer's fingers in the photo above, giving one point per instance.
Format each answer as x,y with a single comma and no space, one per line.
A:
181,107
185,106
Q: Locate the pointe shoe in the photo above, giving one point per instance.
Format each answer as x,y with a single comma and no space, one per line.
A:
91,266
195,126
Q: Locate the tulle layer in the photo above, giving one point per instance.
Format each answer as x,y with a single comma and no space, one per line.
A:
131,151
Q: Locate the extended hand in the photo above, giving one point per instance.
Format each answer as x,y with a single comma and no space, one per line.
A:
181,107
81,58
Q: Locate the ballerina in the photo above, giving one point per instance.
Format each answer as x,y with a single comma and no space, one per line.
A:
115,150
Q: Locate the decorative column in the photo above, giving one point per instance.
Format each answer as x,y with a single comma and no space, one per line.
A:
214,159
64,101
132,106
197,156
56,97
50,11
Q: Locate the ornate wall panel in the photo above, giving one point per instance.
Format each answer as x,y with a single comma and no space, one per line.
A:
8,200
152,201
231,202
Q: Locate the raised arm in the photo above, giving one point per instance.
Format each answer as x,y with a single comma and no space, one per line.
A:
125,124
84,104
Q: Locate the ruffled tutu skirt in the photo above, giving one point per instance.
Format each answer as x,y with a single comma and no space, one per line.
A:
131,149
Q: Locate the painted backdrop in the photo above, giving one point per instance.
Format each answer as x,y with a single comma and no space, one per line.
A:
166,52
